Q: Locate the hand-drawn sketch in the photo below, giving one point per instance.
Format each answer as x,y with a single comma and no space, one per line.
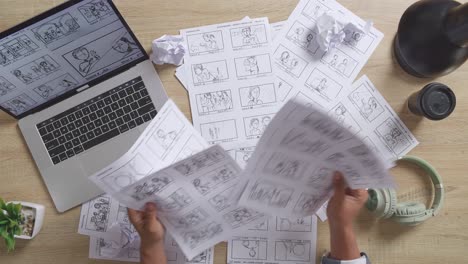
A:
220,131
137,168
211,180
151,186
57,86
16,49
295,224
263,226
358,40
175,201
95,11
248,36
190,219
292,250
270,193
56,28
190,148
5,86
103,54
289,61
257,96
19,104
314,9
326,127
307,203
207,42
242,155
320,83
97,218
165,135
253,65
198,162
368,106
340,164
393,136
223,199
209,72
340,62
214,102
299,140
256,125
241,216
306,100
36,69
341,114
285,166
200,259
303,36
194,238
315,180
249,249
365,156
282,88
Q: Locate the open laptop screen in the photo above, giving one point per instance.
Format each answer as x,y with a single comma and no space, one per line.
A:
47,58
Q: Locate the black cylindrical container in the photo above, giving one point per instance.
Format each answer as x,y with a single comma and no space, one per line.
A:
432,38
435,101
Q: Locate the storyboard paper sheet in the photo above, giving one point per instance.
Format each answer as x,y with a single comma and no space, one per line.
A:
290,172
232,90
304,70
278,240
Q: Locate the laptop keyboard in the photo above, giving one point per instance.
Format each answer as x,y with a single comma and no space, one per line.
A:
97,120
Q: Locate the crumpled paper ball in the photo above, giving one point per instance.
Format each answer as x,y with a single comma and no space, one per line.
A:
168,49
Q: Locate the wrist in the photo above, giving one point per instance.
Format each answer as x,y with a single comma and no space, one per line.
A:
151,248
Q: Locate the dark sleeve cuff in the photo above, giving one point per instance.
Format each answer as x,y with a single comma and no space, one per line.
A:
362,260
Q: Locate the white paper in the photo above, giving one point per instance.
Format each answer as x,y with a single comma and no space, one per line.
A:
276,28
231,87
290,172
276,240
305,71
168,49
168,138
196,199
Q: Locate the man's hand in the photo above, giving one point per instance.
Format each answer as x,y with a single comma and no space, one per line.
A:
151,232
342,209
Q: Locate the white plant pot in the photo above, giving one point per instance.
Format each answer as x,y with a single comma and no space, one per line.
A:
37,211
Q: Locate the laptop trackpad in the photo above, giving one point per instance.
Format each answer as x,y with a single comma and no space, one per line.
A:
104,154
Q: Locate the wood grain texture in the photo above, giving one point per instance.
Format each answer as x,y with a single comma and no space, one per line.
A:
443,239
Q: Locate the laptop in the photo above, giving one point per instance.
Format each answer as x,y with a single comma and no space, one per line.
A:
83,89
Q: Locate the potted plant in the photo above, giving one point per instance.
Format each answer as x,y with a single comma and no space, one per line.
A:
21,220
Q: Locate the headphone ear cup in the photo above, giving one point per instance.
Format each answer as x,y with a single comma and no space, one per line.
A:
381,202
409,209
392,202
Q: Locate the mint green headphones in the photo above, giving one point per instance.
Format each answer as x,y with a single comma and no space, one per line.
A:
383,202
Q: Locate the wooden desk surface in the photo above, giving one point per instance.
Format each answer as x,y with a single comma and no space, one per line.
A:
443,239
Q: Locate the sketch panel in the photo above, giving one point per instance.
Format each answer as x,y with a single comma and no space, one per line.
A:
36,69
242,155
189,220
341,114
314,9
19,104
253,65
283,89
284,166
190,148
56,28
293,250
296,224
165,135
204,43
358,40
303,37
342,164
316,178
199,162
248,36
209,72
263,226
271,193
214,102
135,169
196,237
223,199
16,49
307,203
220,131
258,95
97,218
299,140
289,61
5,86
320,83
393,137
306,100
241,216
252,249
256,125
368,106
103,53
150,186
213,179
56,87
175,202
202,258
340,62
95,11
